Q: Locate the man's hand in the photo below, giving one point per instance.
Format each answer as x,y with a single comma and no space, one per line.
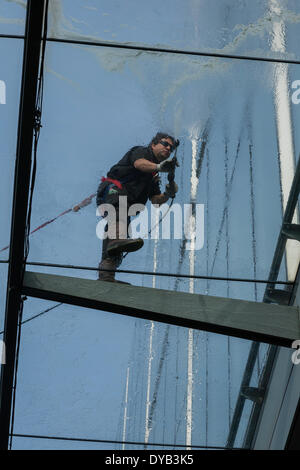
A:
166,166
171,189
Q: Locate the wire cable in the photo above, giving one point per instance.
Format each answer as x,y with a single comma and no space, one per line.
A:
172,51
15,375
151,273
22,322
107,441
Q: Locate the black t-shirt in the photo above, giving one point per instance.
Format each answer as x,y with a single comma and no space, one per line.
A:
139,185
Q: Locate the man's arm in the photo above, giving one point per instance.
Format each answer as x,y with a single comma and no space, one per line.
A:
145,165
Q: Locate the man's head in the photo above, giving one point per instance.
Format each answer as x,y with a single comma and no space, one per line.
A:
162,146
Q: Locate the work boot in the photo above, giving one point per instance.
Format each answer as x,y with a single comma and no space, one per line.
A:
107,263
118,245
109,276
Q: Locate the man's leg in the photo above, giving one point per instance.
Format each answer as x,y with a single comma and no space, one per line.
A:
114,245
118,226
112,260
110,263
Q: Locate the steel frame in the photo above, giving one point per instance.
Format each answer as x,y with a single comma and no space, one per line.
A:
31,60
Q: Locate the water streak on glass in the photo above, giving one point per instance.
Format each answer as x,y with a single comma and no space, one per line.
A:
229,27
12,17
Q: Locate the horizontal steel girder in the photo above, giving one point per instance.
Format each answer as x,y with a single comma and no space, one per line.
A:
269,323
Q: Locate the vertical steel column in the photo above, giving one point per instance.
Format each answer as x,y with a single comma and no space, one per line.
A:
31,58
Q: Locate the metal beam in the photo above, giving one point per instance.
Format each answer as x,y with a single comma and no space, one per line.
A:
269,323
287,219
278,296
255,394
31,56
291,231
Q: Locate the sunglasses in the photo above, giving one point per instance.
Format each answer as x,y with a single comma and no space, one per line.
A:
167,144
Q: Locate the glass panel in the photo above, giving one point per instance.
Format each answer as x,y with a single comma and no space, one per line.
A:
98,103
89,374
262,28
11,54
77,378
12,17
242,429
29,443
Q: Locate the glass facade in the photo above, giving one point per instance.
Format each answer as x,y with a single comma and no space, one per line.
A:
110,381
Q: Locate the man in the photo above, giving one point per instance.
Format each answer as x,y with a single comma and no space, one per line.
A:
136,177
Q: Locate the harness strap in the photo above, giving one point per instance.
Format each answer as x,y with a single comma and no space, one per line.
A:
115,182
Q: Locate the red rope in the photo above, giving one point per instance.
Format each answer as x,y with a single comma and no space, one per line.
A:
83,203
